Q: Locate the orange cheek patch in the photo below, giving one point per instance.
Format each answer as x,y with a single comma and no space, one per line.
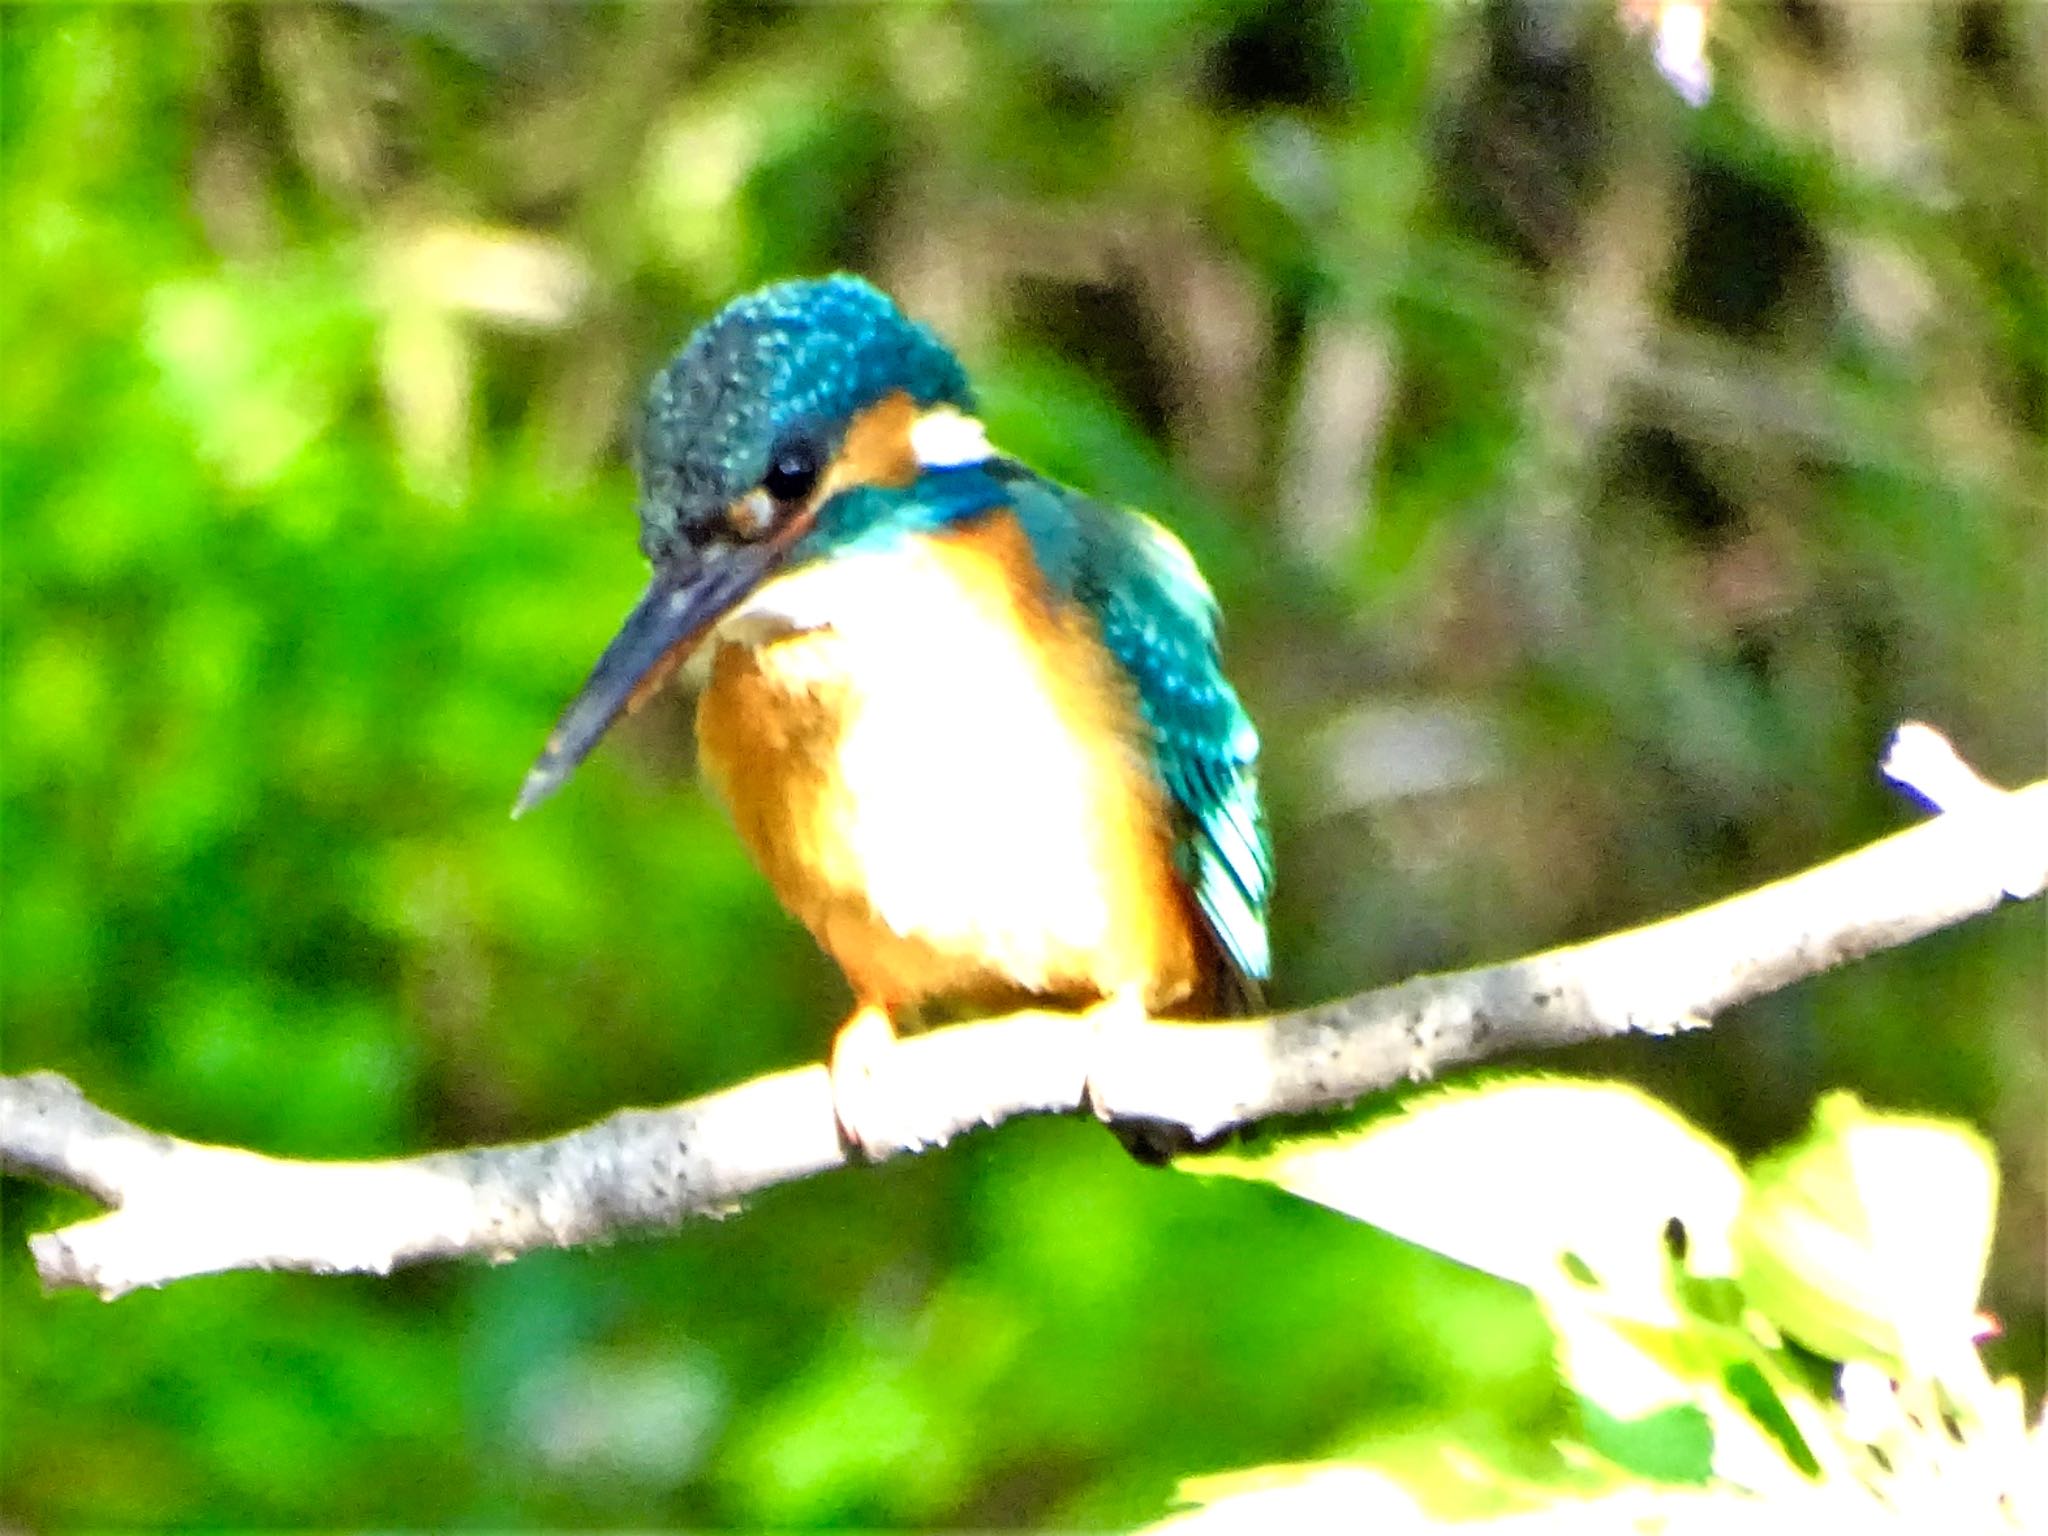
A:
877,449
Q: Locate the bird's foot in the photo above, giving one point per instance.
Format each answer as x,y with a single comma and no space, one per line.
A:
1117,1023
866,1098
1132,1089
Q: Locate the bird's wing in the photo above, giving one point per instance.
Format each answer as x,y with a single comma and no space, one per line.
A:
1159,619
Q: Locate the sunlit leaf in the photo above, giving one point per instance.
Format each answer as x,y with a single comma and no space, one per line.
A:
1867,1239
1552,1184
1355,1495
1311,1496
1420,1480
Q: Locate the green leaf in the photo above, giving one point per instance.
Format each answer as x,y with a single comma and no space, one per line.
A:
1867,1239
1554,1185
1674,1444
1660,1401
1767,1409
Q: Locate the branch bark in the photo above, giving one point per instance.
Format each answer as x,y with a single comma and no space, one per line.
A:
181,1208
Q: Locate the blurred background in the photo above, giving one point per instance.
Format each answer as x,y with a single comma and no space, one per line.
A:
1596,450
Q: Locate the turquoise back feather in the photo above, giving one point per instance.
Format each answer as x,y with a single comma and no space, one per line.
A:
1159,620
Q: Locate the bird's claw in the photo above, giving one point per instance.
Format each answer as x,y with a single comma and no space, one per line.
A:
872,1123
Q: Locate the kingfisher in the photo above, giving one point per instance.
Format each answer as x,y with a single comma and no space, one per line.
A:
971,724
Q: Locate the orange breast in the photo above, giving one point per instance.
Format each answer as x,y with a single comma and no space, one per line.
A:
942,775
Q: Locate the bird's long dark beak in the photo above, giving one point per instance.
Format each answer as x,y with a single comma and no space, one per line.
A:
673,615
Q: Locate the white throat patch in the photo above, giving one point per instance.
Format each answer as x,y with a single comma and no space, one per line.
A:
945,439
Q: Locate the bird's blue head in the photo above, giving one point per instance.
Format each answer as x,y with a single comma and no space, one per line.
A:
766,396
779,406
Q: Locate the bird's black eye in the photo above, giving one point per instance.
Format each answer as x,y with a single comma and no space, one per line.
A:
792,473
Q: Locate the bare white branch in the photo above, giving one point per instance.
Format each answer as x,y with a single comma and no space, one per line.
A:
183,1209
1922,760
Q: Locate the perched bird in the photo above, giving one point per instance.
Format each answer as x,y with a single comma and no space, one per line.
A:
971,724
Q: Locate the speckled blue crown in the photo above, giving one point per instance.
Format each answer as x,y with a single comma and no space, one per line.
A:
795,358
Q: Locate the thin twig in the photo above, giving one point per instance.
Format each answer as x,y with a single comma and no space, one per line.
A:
183,1209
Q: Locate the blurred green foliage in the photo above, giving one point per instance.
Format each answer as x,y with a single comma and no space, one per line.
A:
1591,482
